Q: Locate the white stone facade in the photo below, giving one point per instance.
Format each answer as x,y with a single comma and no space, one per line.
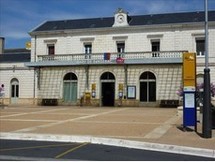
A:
168,79
25,78
136,40
48,81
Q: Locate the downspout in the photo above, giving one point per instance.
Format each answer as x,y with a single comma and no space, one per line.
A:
126,81
34,90
87,77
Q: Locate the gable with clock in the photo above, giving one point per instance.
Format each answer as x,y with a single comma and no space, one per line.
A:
120,18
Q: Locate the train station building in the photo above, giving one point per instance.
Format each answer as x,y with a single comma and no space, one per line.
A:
121,60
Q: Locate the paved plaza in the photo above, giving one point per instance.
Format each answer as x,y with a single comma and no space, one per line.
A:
154,125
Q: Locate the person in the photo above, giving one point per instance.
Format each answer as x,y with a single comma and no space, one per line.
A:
2,90
2,95
82,100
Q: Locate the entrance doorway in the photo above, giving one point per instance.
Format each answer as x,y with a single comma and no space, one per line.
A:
147,87
70,88
107,89
108,94
14,91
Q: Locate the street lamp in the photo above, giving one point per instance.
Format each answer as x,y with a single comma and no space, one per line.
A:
207,120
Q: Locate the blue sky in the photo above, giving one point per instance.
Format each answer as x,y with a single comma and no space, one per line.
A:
18,17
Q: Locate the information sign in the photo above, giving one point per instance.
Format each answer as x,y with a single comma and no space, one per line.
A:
189,90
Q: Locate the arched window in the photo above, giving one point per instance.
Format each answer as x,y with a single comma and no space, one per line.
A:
70,88
70,76
147,87
14,90
107,76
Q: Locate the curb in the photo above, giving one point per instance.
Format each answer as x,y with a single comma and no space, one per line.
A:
112,142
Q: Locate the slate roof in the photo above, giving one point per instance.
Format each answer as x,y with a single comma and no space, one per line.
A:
170,18
16,51
15,56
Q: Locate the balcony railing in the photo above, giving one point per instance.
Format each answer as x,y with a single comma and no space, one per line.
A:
109,58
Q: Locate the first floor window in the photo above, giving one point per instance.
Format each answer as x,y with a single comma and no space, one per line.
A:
51,49
120,47
88,50
155,45
200,47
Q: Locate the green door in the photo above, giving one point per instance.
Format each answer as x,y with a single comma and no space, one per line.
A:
70,91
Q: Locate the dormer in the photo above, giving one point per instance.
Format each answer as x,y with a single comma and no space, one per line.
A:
120,18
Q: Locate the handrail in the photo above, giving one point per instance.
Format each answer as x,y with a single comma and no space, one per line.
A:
112,56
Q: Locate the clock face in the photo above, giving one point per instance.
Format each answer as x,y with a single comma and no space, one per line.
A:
120,19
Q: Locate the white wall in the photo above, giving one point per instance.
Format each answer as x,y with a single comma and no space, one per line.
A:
24,75
136,40
171,39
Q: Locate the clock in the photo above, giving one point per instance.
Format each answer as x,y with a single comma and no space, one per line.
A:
120,18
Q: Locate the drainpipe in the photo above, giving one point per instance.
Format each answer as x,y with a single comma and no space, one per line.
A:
87,77
126,80
34,60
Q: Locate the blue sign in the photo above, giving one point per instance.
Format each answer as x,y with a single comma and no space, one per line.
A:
189,111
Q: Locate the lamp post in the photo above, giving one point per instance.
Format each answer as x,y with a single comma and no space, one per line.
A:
207,120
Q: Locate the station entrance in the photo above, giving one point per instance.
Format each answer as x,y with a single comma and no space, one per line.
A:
107,89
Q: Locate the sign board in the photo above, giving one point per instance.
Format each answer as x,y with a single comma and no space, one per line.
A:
189,111
120,87
131,92
189,69
189,90
189,100
94,86
28,45
120,60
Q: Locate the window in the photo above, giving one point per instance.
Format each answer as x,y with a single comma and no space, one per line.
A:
200,47
14,88
70,76
147,87
107,76
120,47
88,50
51,49
155,48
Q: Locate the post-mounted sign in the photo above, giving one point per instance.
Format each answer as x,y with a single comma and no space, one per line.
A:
189,89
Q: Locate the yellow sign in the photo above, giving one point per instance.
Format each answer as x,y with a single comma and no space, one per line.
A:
121,87
28,45
94,86
189,69
87,94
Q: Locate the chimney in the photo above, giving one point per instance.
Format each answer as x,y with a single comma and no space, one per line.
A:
1,45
